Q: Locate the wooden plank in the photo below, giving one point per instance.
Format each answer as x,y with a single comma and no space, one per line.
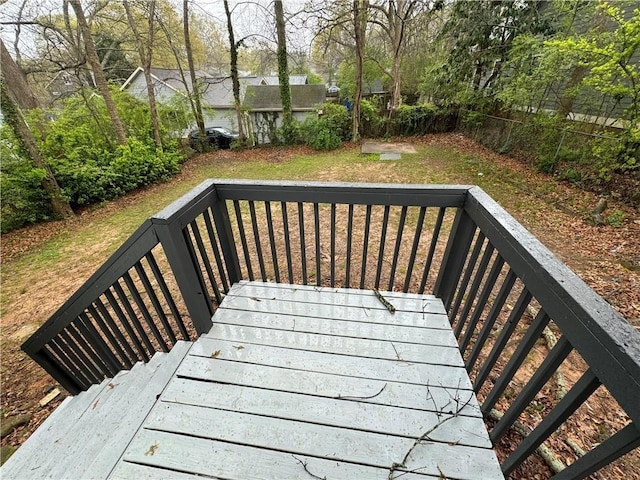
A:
98,461
128,471
293,295
337,312
435,325
355,347
202,456
381,369
337,444
331,411
420,397
350,291
96,426
30,460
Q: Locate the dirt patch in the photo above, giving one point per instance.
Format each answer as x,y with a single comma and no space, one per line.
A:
394,147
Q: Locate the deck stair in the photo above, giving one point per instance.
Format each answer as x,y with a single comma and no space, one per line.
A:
95,426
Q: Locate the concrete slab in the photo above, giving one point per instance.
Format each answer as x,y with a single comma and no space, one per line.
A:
384,147
390,156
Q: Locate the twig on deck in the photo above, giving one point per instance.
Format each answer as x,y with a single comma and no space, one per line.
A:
384,301
347,397
395,350
304,465
425,436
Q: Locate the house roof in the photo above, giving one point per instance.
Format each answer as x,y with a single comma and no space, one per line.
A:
267,97
218,89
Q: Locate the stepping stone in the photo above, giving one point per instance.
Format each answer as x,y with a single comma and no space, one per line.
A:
390,156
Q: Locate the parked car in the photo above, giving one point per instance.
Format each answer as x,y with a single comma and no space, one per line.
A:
215,137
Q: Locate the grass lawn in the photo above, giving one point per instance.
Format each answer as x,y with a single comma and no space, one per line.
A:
43,265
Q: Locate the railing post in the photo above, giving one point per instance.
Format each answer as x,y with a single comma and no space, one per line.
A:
188,276
225,236
454,257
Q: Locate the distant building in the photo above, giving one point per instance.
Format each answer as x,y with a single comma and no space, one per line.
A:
217,92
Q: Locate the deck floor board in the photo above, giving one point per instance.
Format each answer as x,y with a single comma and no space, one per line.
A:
290,376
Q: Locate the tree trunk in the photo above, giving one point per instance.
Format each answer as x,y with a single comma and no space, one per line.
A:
101,81
12,114
234,71
283,72
21,93
195,92
145,60
360,24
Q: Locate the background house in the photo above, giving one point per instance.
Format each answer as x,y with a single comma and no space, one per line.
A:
263,104
217,94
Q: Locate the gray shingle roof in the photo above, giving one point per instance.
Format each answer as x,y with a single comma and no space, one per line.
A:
267,97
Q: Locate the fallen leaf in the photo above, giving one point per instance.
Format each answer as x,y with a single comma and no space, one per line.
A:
238,347
215,354
256,299
95,404
152,449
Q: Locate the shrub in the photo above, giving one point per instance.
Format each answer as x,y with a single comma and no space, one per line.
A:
23,199
328,131
372,119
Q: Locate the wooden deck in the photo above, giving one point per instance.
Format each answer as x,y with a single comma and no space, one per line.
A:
291,382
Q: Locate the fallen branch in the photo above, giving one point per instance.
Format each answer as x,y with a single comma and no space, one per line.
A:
551,340
304,465
545,452
575,447
384,301
347,397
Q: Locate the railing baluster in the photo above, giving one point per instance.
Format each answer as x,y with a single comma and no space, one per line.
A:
303,249
414,249
432,249
125,323
65,353
155,302
383,238
489,322
256,237
473,290
333,244
287,240
145,312
471,265
216,251
396,250
130,357
101,351
272,241
70,378
102,325
544,372
135,320
243,239
222,220
316,222
505,334
204,256
574,398
524,347
489,283
75,347
157,274
365,247
347,276
622,442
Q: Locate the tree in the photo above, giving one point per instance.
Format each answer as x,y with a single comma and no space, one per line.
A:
360,10
234,71
100,80
195,91
283,73
14,94
145,51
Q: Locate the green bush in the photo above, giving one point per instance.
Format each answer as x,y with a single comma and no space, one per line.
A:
422,119
372,121
329,130
23,199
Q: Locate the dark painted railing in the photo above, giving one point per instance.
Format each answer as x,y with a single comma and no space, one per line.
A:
503,291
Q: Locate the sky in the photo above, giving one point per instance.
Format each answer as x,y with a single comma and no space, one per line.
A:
249,17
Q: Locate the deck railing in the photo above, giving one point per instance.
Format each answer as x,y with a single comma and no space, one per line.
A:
503,291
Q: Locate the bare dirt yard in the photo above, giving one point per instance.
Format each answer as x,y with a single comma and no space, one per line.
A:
44,264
